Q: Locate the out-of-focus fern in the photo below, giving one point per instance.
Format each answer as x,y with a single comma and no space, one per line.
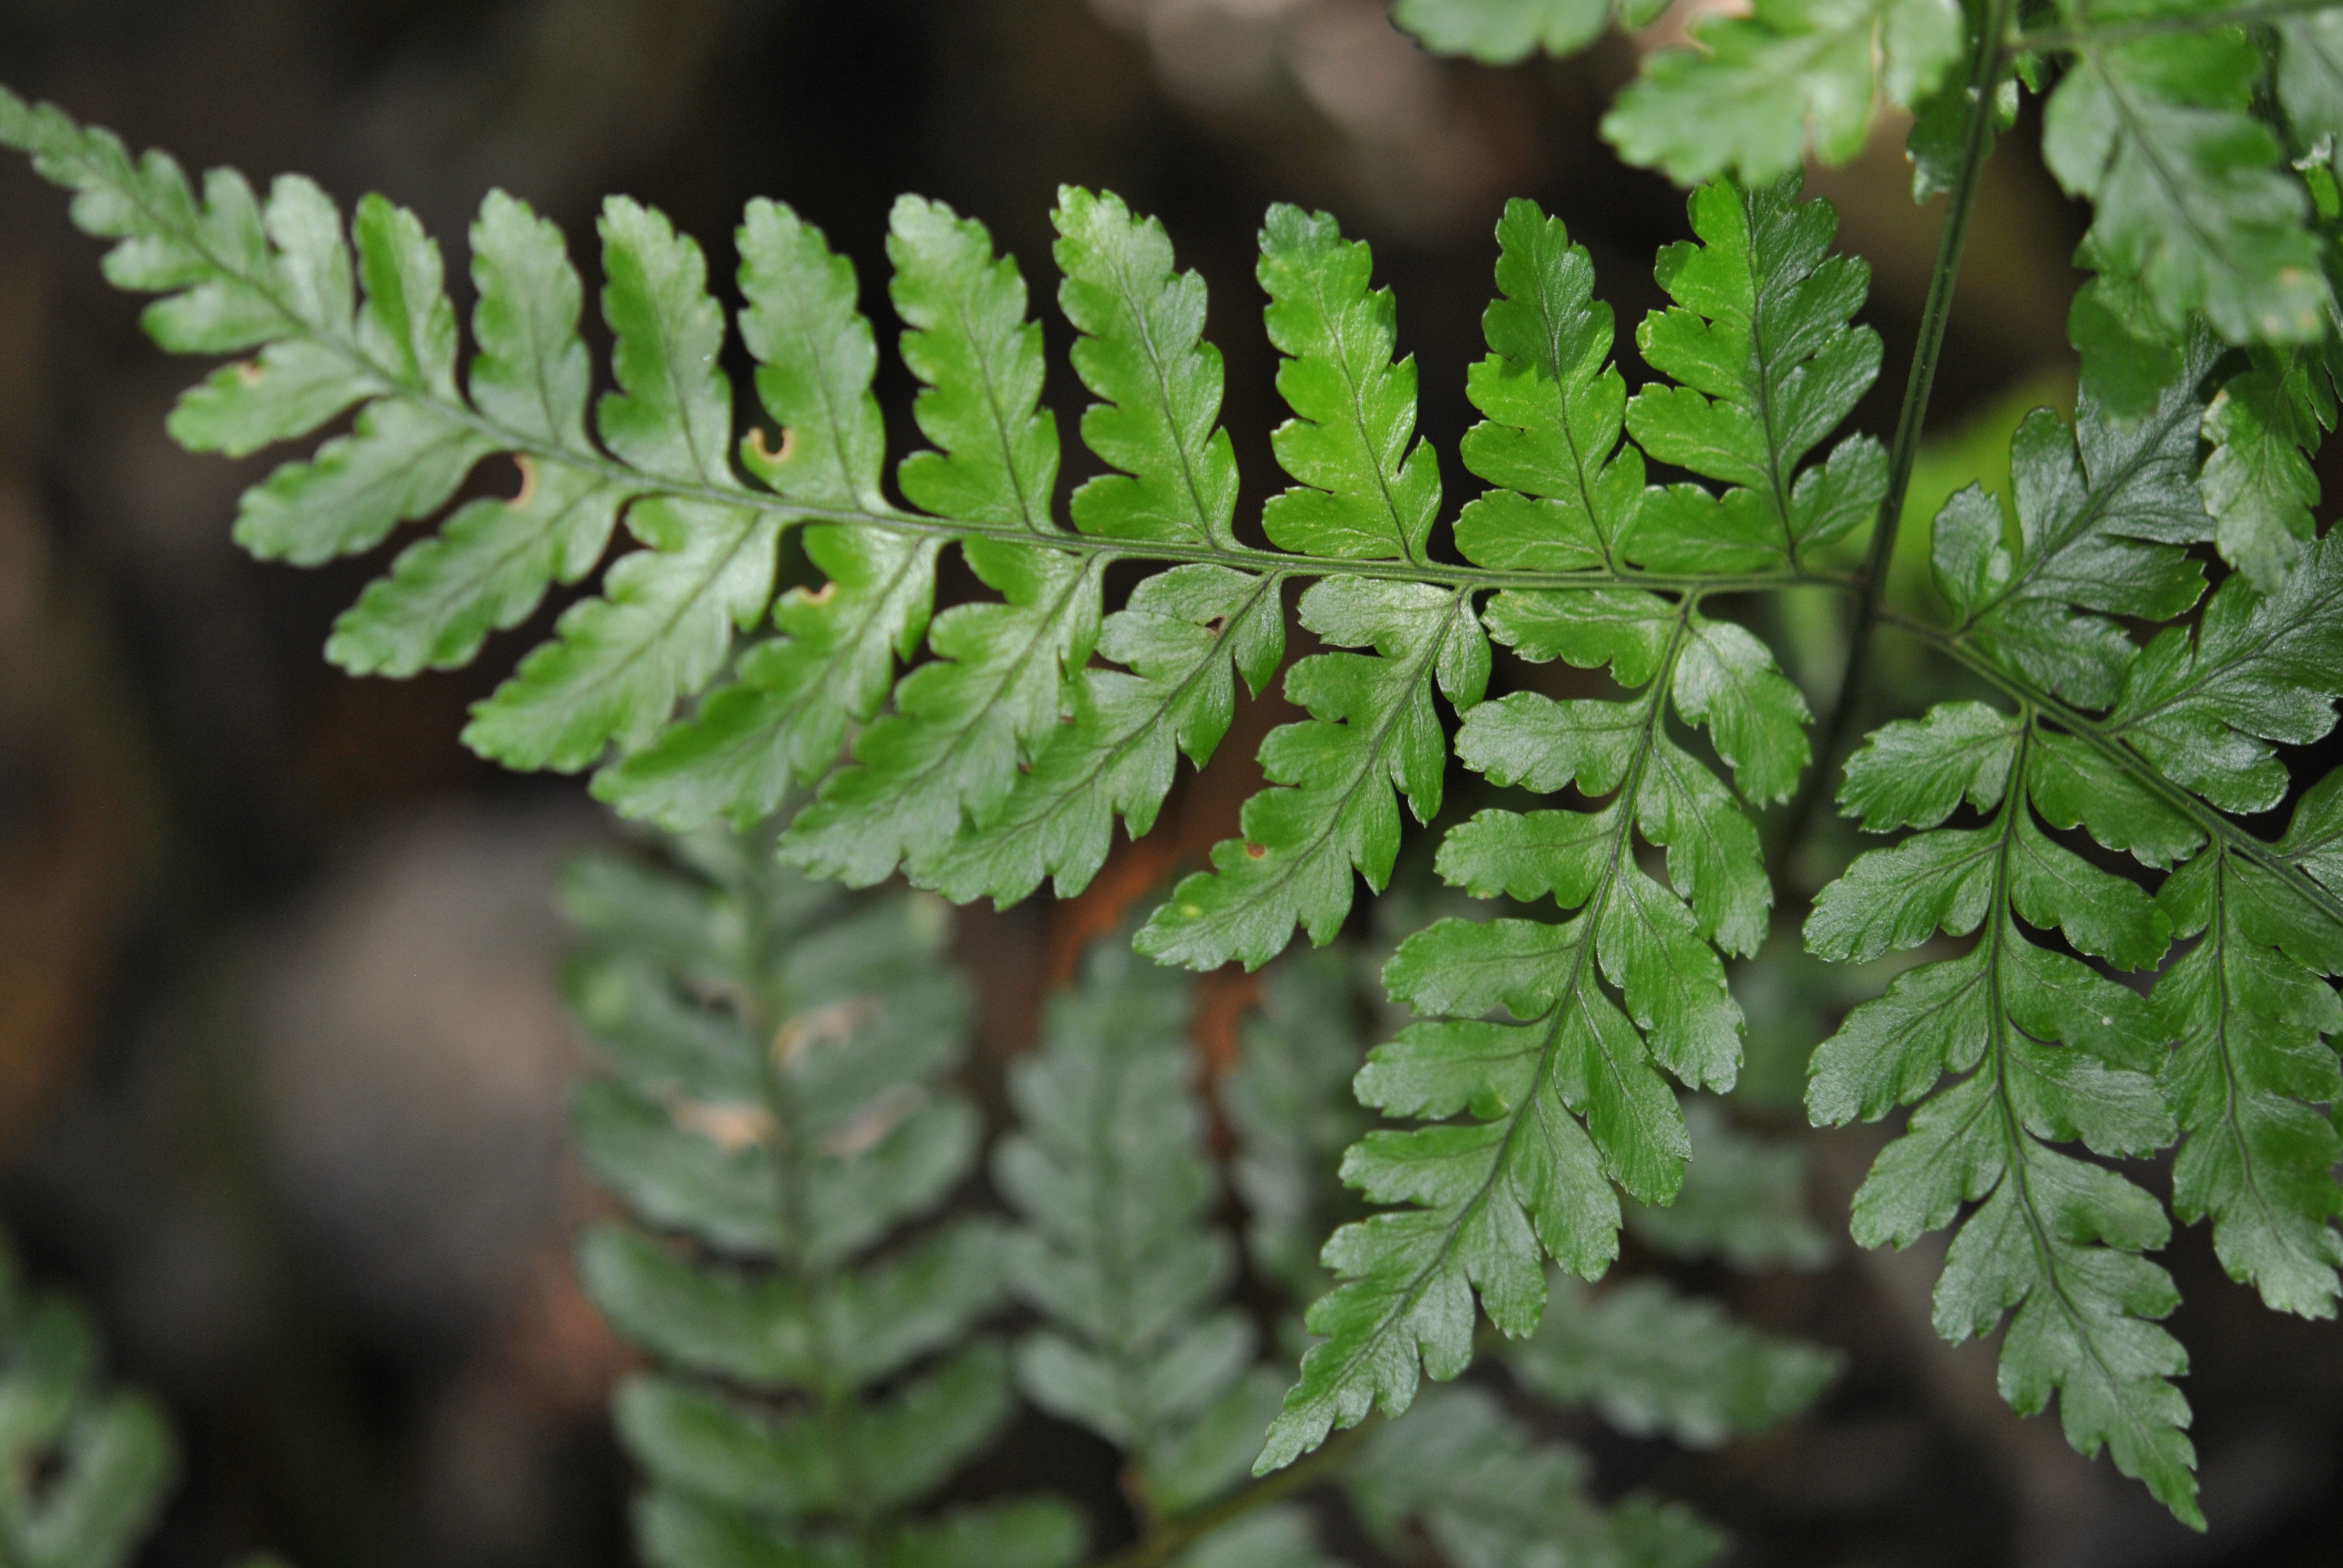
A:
1109,1171
84,1468
772,1109
1288,1101
1490,1496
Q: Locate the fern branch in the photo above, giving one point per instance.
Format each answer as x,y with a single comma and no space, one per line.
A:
2054,1052
2217,826
46,132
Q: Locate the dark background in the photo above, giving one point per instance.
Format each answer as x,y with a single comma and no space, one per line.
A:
280,1077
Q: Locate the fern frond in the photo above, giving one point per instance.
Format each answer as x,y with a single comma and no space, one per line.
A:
1332,811
1004,758
963,724
1755,94
784,719
1141,349
2264,425
2191,194
1366,490
2099,508
1766,366
773,1055
1652,1361
83,1469
1555,408
1109,1174
1570,1100
2054,1052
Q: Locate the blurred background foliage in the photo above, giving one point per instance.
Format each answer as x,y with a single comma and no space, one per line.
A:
281,1076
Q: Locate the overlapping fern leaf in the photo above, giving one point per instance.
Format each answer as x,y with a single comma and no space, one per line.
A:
1538,1125
771,1113
2051,1051
84,1468
1037,720
1458,1472
2202,136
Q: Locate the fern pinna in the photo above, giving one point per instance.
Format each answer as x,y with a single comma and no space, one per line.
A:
2091,815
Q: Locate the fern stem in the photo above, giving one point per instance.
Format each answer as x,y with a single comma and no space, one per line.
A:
2068,39
1986,65
1169,1538
2213,823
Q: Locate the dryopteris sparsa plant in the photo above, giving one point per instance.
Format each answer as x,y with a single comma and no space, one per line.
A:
2134,636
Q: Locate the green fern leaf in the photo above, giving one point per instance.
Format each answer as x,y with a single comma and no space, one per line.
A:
1754,94
980,359
1183,628
665,620
406,456
488,567
677,1530
2264,425
2311,72
2102,511
1115,752
2054,1052
1143,351
2259,669
1363,491
1373,730
962,725
877,1456
1767,367
1655,1362
773,1052
2244,1003
1555,409
1569,1101
2250,1013
782,722
2191,197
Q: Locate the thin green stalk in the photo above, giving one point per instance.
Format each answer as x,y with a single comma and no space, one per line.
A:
1172,1535
1986,65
